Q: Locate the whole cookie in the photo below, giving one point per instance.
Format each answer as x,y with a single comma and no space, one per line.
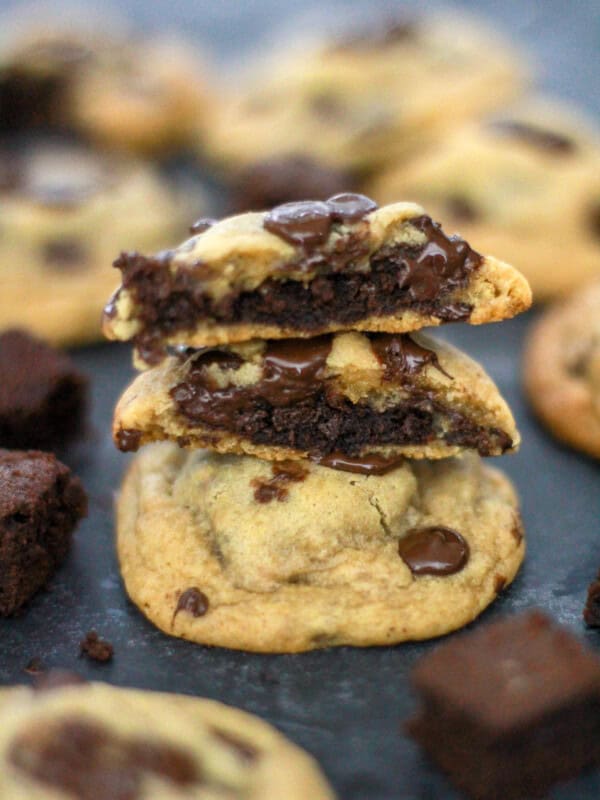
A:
561,369
524,186
91,741
84,74
236,552
359,101
65,211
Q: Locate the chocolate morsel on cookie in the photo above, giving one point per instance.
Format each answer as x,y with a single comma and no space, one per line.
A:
43,397
193,602
510,709
40,504
275,181
433,551
276,487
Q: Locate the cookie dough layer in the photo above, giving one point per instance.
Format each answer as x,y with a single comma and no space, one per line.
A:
206,556
91,740
525,186
308,268
561,370
350,394
65,209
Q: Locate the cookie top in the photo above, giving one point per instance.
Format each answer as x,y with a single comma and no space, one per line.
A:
307,268
339,398
65,210
43,397
283,558
91,740
366,97
561,369
524,186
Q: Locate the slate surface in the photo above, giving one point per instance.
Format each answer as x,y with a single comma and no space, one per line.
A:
344,705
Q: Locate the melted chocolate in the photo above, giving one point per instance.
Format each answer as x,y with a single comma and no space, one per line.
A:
401,356
306,222
369,464
193,602
276,487
202,224
538,137
433,551
350,207
86,761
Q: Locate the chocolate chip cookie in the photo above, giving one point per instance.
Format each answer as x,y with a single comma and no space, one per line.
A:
91,741
65,209
242,553
561,369
346,397
524,186
374,94
307,268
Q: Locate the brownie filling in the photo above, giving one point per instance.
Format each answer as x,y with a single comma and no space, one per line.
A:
293,406
400,276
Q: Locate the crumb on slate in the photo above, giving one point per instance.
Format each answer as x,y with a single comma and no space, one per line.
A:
96,648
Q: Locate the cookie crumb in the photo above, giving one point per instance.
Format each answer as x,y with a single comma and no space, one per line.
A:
96,648
34,666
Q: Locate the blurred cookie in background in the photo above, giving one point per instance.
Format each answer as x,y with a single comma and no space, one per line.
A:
366,98
561,369
66,211
84,74
525,186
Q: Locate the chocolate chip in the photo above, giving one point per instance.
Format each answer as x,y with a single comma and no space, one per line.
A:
368,464
202,224
537,136
193,602
128,440
306,222
433,551
276,487
350,207
401,357
96,648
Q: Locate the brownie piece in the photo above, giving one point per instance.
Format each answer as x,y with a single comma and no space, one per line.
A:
43,398
511,709
275,181
591,612
40,504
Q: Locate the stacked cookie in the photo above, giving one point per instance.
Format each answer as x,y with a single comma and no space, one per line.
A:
341,497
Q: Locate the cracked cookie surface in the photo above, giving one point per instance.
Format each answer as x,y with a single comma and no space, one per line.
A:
561,369
86,741
241,553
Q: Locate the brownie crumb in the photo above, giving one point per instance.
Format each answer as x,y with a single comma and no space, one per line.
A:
43,397
40,505
96,648
591,612
34,666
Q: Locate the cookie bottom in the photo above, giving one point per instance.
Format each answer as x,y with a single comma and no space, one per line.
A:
222,550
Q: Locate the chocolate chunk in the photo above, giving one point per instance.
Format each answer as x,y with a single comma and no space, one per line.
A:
243,749
40,504
128,441
349,207
510,708
202,224
433,551
43,397
293,369
87,761
276,487
193,602
401,357
537,136
65,254
275,181
96,648
591,612
368,464
306,223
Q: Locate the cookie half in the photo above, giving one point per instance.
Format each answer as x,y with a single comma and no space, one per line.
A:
561,369
236,552
360,399
92,740
308,268
65,209
524,186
